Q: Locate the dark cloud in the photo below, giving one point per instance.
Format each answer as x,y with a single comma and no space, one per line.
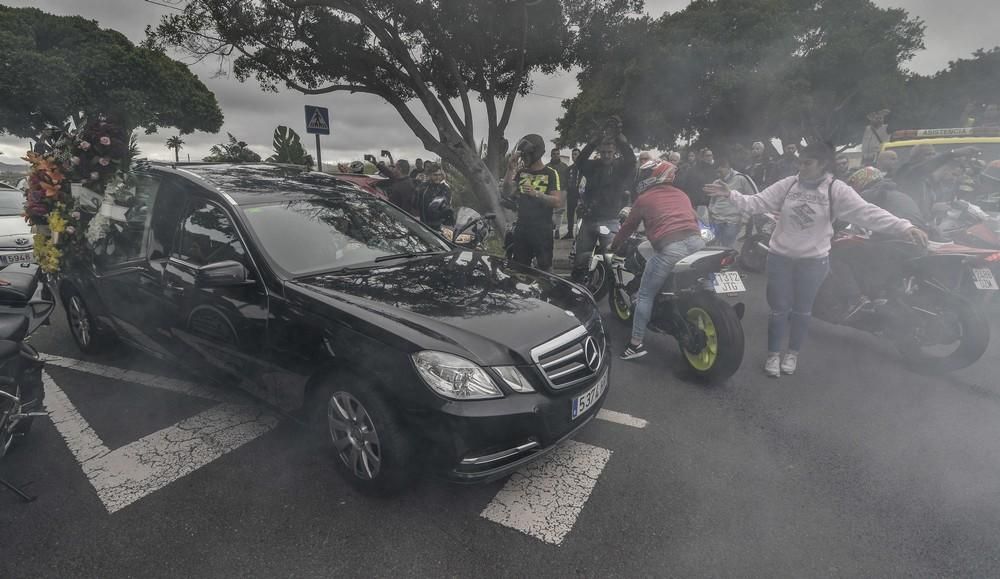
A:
362,124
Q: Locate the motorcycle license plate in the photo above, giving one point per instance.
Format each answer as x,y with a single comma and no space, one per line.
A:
983,278
729,282
586,401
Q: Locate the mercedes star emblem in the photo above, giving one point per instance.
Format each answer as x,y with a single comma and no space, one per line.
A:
591,354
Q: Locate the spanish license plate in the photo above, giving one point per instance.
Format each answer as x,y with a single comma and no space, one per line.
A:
728,282
983,278
26,257
585,401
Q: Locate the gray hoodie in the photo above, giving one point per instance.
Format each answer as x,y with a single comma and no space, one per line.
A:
722,210
805,226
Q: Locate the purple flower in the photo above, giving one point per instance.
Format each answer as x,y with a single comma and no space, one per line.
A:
104,161
84,145
105,141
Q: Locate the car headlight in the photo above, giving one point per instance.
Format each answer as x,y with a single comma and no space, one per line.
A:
454,377
514,379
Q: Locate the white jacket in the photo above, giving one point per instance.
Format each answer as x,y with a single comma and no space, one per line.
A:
805,226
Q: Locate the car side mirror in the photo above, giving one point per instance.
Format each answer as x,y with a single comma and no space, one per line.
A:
222,274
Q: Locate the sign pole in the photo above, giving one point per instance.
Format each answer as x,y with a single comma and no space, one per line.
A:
319,156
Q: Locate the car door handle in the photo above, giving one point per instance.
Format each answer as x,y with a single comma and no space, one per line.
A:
174,288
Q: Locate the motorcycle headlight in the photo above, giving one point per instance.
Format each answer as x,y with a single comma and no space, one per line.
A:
454,377
463,238
514,379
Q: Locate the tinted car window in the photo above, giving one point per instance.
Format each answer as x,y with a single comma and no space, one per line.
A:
11,202
207,235
314,235
124,241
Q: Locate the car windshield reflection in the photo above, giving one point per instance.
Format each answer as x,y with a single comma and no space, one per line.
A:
310,236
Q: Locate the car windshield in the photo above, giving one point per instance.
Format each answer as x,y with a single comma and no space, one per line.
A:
11,202
315,235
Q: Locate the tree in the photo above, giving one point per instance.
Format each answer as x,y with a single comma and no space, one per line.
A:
965,88
234,151
176,144
724,69
436,55
288,148
57,67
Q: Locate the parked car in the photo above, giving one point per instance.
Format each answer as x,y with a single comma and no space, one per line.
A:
404,349
16,245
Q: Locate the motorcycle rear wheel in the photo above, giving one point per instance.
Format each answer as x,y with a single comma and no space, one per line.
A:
723,352
973,339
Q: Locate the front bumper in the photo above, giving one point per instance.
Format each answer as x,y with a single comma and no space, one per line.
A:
482,441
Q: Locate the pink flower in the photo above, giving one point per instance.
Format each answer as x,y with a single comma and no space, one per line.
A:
104,161
84,145
70,229
75,215
105,141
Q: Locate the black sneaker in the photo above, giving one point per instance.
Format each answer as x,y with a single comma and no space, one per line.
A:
633,352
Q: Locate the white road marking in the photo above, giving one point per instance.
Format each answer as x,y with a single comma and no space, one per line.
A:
127,474
136,377
545,498
621,418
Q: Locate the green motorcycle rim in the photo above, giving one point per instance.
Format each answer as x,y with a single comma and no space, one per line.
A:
705,359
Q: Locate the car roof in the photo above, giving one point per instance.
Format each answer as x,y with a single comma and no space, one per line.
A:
264,183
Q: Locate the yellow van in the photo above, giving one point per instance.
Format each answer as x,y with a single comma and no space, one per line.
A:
986,139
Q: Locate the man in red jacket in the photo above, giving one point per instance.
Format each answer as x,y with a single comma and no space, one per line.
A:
671,227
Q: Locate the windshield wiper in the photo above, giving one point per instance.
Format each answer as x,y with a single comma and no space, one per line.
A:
409,255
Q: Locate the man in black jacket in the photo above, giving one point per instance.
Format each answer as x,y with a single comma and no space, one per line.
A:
607,178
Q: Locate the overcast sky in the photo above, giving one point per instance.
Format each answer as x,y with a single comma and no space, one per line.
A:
361,124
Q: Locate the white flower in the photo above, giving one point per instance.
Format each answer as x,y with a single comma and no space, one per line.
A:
98,229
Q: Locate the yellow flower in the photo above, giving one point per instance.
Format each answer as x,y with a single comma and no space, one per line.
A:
56,222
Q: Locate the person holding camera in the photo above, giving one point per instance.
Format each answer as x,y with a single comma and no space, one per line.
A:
534,189
607,178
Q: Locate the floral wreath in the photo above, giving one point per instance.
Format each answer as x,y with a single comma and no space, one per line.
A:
80,185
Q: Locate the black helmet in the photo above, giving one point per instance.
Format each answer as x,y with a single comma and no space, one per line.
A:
532,149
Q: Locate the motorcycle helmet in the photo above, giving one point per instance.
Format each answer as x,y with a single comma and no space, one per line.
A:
653,173
357,167
532,149
438,210
864,178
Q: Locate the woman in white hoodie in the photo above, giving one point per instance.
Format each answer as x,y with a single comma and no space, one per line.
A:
798,260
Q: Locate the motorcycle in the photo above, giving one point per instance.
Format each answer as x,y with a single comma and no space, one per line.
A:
597,278
26,302
708,330
967,224
920,310
470,230
753,255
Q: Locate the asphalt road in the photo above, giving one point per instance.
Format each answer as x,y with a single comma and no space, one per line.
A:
854,467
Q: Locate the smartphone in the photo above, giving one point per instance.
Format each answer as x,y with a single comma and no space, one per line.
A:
371,159
385,153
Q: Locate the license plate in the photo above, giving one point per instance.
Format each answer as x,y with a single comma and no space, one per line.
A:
583,402
983,278
729,282
26,257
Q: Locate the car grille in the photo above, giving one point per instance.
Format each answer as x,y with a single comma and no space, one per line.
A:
573,357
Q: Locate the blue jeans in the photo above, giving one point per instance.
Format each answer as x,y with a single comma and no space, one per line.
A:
657,271
792,285
726,234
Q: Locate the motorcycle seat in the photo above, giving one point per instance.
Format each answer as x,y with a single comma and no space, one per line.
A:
13,327
18,284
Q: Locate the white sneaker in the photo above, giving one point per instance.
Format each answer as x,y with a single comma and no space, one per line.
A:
789,363
772,367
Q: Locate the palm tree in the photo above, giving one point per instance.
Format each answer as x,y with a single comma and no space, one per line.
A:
176,144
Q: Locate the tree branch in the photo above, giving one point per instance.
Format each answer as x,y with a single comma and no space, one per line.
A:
508,106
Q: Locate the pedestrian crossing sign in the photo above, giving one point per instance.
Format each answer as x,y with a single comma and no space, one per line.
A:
317,120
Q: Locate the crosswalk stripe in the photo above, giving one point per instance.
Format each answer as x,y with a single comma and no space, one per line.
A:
621,418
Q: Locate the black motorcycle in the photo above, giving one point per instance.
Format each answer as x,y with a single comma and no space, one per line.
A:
708,330
918,306
471,229
756,241
597,277
26,302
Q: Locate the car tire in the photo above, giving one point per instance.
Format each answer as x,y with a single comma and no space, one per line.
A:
368,443
88,337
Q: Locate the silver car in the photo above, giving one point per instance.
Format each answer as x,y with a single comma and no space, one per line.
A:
15,234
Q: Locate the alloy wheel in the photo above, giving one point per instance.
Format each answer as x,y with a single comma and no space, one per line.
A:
354,435
79,320
704,359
